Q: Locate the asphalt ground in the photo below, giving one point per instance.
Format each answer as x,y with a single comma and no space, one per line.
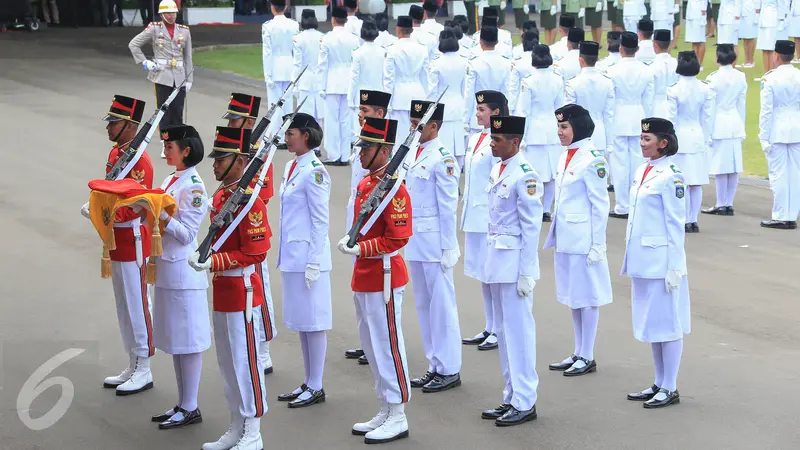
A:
737,380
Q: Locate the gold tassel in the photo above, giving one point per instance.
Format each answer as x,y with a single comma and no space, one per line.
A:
157,249
105,264
150,273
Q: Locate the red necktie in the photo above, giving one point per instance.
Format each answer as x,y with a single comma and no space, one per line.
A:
174,179
646,170
570,154
480,139
419,152
291,169
502,166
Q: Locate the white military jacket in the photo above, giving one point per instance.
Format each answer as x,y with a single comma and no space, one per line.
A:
277,40
306,53
179,239
729,10
426,38
432,183
559,48
655,234
478,164
609,60
581,201
569,66
594,90
385,39
664,75
646,52
695,9
305,200
780,106
353,26
449,70
405,73
365,72
542,93
730,96
633,8
521,67
515,220
662,10
488,71
335,59
691,111
633,95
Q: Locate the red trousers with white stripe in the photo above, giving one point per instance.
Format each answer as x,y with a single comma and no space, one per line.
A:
381,332
133,307
237,355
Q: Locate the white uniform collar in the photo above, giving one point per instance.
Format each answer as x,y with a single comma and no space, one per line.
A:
580,144
589,69
304,159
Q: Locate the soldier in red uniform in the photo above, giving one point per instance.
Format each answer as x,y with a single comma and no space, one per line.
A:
379,279
242,113
128,260
237,281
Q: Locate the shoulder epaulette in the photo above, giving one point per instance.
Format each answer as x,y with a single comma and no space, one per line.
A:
674,169
712,73
444,151
196,179
315,163
673,84
183,26
704,81
525,167
595,153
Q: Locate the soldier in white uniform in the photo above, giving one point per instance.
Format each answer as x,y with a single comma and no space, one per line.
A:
594,91
478,166
696,18
305,51
730,12
569,65
366,73
429,23
613,42
542,93
404,74
662,13
578,235
335,62
432,251
730,90
181,326
503,48
521,68
304,258
384,39
793,28
423,36
780,136
748,31
487,72
450,71
512,268
529,26
491,18
691,108
277,40
353,24
646,53
633,94
559,49
656,262
632,12
664,75
468,45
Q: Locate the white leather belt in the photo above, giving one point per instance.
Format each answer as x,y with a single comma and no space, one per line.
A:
387,274
239,271
135,225
504,230
170,63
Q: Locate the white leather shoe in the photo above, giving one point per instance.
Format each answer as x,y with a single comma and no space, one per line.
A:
230,438
141,379
394,427
251,437
363,428
266,359
113,382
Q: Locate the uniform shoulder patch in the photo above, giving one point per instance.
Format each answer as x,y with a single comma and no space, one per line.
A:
319,177
679,191
196,179
600,168
444,151
315,163
674,169
525,168
530,185
450,166
197,201
595,153
712,73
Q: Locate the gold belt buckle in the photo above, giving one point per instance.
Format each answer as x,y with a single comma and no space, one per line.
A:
173,63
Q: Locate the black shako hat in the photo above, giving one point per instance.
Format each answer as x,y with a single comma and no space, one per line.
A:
374,98
242,105
419,107
377,131
230,141
507,125
125,108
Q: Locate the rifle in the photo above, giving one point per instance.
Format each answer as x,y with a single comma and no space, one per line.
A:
128,158
262,125
385,184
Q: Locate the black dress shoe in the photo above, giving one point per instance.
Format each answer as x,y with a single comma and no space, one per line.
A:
695,228
441,383
779,224
717,210
158,418
291,395
563,365
353,353
610,188
486,345
515,417
189,417
316,397
590,367
672,397
423,380
642,396
268,370
729,210
546,217
617,216
363,360
687,227
477,339
496,413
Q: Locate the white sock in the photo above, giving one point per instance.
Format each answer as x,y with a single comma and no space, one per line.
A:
306,358
488,311
590,316
176,362
191,366
658,360
722,189
696,199
733,183
549,193
577,328
672,361
317,347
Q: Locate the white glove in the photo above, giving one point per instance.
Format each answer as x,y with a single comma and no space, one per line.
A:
342,246
137,209
673,280
321,94
149,65
85,210
196,264
765,147
164,216
756,19
450,258
553,10
270,84
781,25
525,285
581,13
526,9
503,5
188,86
598,6
596,254
677,8
312,274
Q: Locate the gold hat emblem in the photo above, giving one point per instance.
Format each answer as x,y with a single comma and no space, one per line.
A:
498,124
231,96
646,126
418,107
106,216
364,96
480,98
216,133
560,117
165,136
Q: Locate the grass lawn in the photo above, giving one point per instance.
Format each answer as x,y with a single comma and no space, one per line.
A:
246,61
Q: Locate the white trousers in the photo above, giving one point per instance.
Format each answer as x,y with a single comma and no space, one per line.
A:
625,159
403,118
237,355
381,333
134,311
783,162
268,328
435,296
338,127
631,23
516,338
273,94
313,105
